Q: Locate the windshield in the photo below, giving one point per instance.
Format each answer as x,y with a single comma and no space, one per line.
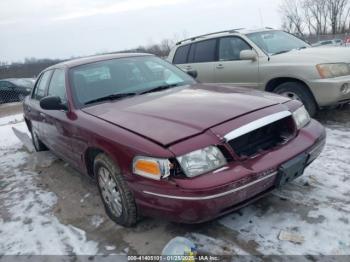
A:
124,75
274,42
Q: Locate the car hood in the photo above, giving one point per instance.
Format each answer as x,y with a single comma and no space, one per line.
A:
318,55
172,115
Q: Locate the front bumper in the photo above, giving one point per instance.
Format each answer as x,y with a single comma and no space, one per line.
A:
255,178
328,92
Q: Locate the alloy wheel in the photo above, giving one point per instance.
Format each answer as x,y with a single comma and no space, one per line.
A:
110,192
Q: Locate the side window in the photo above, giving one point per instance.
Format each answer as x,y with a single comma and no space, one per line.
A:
181,55
231,47
41,85
58,85
204,51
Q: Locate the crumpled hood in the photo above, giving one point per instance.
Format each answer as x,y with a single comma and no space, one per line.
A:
175,114
318,55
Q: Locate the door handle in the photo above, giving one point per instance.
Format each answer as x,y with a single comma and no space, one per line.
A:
42,115
219,66
188,67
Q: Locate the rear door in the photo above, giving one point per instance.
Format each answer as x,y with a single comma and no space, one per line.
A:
201,56
230,69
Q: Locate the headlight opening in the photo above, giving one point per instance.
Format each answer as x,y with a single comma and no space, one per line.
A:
301,117
202,161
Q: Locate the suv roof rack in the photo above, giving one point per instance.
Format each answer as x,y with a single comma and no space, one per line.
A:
201,36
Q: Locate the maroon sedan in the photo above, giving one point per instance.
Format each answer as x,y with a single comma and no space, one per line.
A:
161,144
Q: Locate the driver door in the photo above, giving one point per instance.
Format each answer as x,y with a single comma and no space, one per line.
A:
57,124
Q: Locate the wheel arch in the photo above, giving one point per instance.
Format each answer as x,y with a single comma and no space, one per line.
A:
275,82
28,123
272,84
89,156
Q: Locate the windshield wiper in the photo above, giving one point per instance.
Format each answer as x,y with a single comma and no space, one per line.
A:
281,52
159,88
110,97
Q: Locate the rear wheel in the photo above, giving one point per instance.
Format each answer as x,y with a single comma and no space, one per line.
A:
300,92
38,145
116,196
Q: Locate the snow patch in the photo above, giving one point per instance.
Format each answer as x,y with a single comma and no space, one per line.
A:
27,224
96,220
315,207
13,119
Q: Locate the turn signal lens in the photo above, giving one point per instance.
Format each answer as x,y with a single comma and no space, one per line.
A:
149,167
154,168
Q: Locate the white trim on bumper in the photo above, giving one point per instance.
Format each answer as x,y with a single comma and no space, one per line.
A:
213,196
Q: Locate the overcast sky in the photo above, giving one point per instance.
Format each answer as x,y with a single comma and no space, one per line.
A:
66,28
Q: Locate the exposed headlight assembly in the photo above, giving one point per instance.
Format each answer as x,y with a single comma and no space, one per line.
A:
301,117
333,70
202,161
154,168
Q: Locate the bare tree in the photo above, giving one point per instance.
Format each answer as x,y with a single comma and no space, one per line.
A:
293,18
316,13
338,15
317,17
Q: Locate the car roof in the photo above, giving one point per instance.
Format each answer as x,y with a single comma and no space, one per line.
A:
95,58
237,31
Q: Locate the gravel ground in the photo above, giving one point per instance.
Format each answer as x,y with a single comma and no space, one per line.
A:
48,208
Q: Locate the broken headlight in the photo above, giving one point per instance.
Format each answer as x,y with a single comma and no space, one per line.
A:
301,117
202,161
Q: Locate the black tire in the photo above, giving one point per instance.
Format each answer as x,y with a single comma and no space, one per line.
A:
128,216
38,145
302,92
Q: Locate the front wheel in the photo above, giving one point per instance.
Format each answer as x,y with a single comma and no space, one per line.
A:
300,92
116,196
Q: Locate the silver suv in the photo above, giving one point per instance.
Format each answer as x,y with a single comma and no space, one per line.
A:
270,60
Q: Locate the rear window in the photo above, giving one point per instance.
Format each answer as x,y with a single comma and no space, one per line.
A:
204,51
181,54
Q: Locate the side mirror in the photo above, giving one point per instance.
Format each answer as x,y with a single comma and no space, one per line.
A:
248,55
192,73
52,103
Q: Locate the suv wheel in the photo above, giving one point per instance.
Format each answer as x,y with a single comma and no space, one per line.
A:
116,196
38,145
299,92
